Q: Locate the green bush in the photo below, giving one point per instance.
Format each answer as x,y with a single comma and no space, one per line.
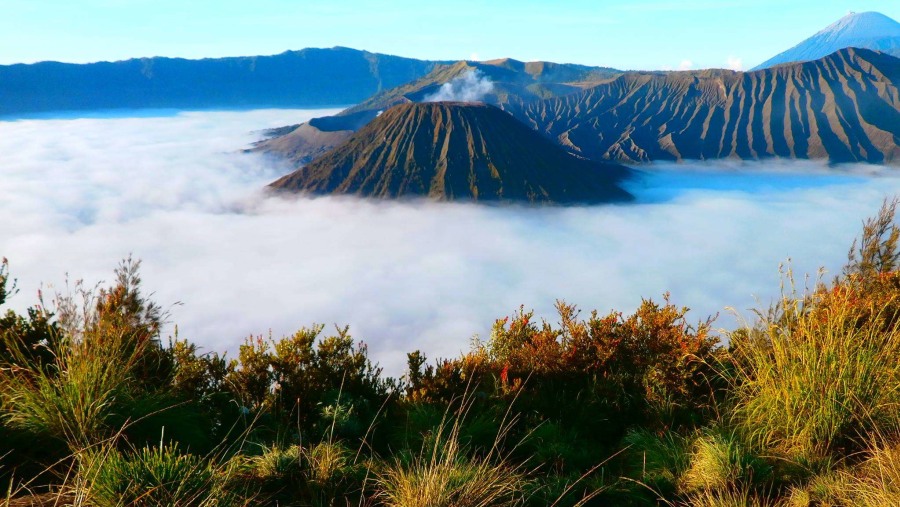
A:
656,460
323,474
105,360
306,379
153,477
720,461
445,474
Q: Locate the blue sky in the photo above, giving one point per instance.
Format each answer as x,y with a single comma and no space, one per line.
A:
627,34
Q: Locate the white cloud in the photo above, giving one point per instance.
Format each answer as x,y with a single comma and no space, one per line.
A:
685,65
78,195
734,63
472,86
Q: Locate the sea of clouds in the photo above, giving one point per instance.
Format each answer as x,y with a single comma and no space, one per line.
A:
77,195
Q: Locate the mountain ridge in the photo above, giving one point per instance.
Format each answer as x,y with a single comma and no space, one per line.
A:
455,151
843,108
302,78
511,80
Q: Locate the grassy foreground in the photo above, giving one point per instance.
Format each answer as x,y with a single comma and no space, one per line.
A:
799,409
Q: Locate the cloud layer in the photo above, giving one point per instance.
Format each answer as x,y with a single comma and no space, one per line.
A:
77,195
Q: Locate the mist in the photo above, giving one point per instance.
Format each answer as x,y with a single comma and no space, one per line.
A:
79,194
472,86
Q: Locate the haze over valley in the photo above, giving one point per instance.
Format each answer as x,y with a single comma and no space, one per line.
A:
206,198
175,191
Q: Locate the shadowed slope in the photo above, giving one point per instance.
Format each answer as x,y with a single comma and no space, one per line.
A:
455,151
844,108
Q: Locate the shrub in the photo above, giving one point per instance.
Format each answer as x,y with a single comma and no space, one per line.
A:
74,397
652,366
450,481
815,379
278,463
656,460
152,477
443,474
719,461
819,372
24,335
104,358
327,463
320,475
306,379
828,489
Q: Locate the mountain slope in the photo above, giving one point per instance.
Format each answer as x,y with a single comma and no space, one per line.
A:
866,30
304,78
843,108
511,81
455,151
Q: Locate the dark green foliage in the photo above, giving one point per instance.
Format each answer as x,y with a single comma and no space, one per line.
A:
4,280
30,332
656,459
152,477
322,474
304,382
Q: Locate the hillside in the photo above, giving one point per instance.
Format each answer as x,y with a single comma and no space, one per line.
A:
866,30
455,151
842,108
511,81
304,78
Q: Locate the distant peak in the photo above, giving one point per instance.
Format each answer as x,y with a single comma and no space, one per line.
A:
868,30
869,24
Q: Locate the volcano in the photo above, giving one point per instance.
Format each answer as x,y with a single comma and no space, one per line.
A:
866,30
456,151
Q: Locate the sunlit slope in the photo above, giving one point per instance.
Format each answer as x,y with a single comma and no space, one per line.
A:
866,30
842,108
455,151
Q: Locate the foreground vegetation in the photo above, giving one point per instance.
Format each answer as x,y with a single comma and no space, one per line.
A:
800,408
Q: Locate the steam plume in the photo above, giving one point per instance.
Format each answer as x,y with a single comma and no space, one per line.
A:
472,86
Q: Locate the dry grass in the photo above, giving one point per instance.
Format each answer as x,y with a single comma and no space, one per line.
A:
444,474
811,382
720,461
